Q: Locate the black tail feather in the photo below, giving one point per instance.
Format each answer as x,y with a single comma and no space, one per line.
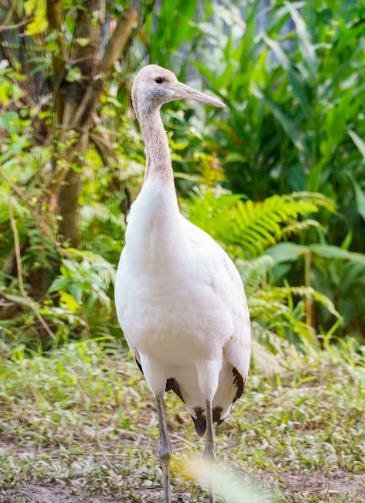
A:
200,422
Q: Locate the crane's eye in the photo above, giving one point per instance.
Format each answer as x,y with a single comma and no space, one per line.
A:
158,80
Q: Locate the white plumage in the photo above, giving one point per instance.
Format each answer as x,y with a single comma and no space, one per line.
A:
179,297
180,302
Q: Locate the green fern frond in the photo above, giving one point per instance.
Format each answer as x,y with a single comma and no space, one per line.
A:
276,316
254,272
298,227
303,291
276,309
281,319
247,228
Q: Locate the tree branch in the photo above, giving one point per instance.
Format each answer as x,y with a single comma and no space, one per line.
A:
8,16
55,17
104,148
9,55
4,27
114,48
118,40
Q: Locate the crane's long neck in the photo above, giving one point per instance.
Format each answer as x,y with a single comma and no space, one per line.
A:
154,232
156,148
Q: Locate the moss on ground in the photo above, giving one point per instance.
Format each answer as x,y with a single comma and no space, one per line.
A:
81,424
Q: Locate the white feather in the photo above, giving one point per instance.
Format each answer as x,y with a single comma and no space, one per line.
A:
181,303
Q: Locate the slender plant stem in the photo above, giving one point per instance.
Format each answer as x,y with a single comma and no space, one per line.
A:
18,257
33,306
307,280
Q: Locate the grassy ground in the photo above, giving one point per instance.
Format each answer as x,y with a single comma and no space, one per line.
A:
80,426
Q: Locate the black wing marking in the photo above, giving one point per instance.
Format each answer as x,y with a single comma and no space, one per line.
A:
239,383
173,385
139,364
200,422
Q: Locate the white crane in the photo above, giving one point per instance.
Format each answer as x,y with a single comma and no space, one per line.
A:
179,297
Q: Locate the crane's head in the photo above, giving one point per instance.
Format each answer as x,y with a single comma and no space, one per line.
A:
154,86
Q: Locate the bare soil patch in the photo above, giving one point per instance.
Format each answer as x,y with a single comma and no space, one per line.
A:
331,486
50,493
46,492
323,483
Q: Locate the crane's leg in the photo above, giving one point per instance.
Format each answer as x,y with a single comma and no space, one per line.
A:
165,449
209,451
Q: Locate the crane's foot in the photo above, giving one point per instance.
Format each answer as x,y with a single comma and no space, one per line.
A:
211,498
165,455
165,450
166,484
209,450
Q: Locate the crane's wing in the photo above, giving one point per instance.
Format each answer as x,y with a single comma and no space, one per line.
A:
227,284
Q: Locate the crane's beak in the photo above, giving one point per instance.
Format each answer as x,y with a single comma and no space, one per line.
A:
184,92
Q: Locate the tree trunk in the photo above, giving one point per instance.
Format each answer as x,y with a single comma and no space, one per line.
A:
80,103
69,208
86,58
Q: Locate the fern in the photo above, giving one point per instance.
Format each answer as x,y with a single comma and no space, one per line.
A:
247,228
254,272
280,310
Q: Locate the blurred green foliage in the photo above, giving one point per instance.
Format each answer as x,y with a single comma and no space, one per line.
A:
278,178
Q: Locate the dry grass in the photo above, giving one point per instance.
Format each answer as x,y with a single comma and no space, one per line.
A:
80,425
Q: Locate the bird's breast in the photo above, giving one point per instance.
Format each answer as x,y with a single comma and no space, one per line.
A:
173,316
166,300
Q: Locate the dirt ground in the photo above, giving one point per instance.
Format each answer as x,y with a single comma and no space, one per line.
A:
299,438
331,486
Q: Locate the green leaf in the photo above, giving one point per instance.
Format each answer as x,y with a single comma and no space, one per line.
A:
307,48
335,252
82,41
40,22
296,84
69,301
283,118
358,142
360,199
286,252
9,122
74,74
